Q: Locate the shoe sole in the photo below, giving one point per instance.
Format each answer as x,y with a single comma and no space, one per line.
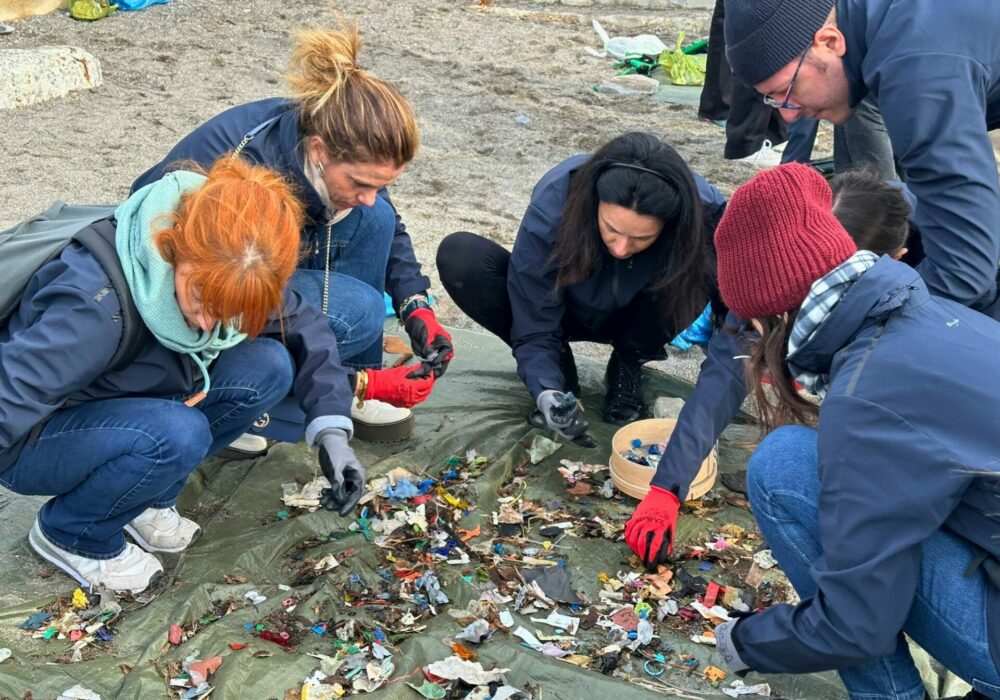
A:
139,540
385,432
41,551
233,454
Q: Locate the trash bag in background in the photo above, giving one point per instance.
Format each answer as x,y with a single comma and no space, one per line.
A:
682,68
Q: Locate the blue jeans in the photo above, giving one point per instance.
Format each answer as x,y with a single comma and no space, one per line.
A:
948,617
107,461
358,259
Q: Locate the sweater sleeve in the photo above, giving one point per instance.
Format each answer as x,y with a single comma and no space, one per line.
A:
885,488
942,145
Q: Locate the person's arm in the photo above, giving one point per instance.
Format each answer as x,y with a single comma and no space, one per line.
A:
716,399
60,349
322,385
934,110
403,277
885,489
536,330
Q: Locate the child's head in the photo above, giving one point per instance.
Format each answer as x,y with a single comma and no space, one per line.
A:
874,212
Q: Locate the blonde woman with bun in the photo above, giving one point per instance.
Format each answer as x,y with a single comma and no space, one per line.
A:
342,137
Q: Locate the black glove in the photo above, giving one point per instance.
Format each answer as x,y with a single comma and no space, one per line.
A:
342,469
430,342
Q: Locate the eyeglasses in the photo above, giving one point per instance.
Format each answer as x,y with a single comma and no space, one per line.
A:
785,104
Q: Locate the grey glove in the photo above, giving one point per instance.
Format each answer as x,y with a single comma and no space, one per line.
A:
562,413
342,469
726,646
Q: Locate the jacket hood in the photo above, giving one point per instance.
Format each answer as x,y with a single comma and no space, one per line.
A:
877,293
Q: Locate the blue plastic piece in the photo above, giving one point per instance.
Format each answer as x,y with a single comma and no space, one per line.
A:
698,333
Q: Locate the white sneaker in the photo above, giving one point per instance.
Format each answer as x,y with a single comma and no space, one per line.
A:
766,157
133,570
249,445
163,530
377,421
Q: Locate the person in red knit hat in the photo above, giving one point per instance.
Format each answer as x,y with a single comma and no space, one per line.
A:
884,516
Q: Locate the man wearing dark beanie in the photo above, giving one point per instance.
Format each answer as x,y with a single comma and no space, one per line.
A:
885,516
934,69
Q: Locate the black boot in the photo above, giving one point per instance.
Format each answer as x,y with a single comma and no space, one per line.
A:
623,400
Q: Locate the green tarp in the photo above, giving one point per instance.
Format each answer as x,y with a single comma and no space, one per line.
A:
480,404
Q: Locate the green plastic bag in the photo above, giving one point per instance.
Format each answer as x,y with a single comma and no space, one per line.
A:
683,69
90,10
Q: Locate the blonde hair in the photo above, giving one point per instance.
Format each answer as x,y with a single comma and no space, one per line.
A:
360,118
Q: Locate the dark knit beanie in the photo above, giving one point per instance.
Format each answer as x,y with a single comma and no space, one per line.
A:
762,36
777,237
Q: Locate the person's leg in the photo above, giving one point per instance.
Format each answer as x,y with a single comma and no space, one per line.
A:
106,462
714,103
473,271
783,487
801,137
636,336
247,380
356,313
863,141
359,248
750,123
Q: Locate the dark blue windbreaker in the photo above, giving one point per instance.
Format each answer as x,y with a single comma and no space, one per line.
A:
538,315
907,445
278,146
934,68
56,347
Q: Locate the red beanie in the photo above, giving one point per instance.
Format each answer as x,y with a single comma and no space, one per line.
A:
777,237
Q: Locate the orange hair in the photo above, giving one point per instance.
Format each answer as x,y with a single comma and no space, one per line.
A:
240,233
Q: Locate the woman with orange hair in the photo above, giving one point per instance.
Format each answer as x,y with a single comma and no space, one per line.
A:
205,262
342,138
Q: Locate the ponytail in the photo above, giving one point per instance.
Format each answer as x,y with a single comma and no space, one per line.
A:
360,118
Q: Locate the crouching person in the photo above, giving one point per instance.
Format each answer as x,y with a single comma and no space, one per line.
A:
201,263
884,517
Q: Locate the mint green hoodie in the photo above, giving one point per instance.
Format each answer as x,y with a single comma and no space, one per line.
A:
151,278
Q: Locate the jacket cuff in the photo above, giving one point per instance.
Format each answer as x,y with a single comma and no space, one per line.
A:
318,425
726,645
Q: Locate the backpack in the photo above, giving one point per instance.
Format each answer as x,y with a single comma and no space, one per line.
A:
30,244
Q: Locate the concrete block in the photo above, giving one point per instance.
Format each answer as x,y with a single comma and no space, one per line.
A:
37,75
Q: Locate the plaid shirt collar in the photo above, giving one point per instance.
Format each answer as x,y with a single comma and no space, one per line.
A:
823,296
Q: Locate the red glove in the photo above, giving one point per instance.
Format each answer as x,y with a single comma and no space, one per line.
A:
650,530
430,341
397,387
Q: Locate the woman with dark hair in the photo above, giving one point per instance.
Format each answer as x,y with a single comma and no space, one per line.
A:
885,515
614,248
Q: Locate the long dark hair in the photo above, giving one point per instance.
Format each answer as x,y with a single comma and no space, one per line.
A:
682,250
782,404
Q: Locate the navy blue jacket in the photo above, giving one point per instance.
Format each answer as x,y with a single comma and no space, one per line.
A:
911,416
55,348
538,314
934,68
278,145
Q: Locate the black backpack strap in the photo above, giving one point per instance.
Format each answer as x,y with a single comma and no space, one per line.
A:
99,240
